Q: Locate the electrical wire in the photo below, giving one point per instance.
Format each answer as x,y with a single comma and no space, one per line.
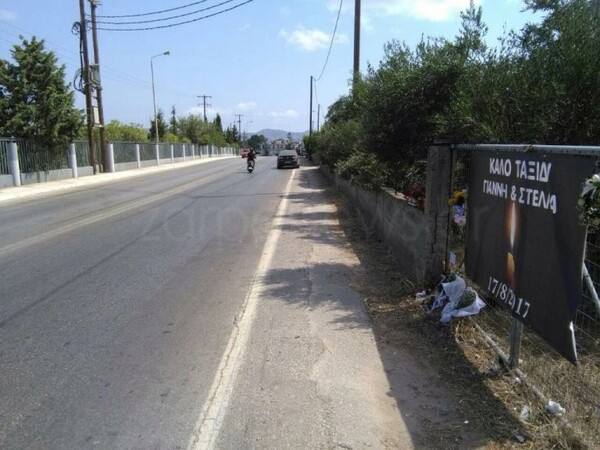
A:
153,13
164,19
332,39
76,58
180,23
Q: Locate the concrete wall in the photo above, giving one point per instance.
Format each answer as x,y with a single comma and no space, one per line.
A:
402,227
126,166
6,181
416,238
42,177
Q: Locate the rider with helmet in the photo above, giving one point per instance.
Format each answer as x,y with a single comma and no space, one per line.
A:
251,156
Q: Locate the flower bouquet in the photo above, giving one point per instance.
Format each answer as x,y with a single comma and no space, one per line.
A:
588,204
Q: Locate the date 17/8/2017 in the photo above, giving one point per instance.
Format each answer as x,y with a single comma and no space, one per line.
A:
501,291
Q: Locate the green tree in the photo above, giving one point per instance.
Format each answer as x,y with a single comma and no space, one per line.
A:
117,131
35,101
196,130
173,128
162,127
559,68
232,135
256,140
218,124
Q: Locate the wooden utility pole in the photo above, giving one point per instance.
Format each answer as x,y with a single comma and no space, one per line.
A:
356,71
86,85
98,87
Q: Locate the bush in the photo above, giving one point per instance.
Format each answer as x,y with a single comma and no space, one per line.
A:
363,169
336,142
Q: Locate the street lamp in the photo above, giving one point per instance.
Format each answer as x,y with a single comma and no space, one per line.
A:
154,100
246,129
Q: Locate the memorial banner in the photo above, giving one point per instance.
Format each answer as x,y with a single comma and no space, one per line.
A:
525,244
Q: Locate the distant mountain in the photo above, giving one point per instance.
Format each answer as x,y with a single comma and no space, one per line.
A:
272,135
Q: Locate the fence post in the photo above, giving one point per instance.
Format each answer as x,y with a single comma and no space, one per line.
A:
437,191
193,151
73,160
172,154
157,150
183,151
516,331
137,156
13,163
110,156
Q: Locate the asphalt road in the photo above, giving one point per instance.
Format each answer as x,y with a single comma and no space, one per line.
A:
117,302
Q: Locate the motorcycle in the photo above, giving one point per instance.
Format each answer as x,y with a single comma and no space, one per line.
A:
250,165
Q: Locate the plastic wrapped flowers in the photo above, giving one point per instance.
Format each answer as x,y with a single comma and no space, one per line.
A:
588,204
458,202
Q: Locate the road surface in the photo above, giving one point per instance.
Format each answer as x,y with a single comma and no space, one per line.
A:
202,307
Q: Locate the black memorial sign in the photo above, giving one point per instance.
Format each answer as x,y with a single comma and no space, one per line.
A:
525,244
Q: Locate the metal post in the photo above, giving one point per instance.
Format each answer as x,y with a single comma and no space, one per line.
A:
310,109
154,101
13,163
73,160
516,332
172,154
157,154
183,151
137,156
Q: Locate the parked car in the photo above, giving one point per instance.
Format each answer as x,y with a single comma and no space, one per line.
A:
244,152
287,158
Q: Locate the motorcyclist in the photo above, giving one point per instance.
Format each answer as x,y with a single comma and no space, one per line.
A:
251,156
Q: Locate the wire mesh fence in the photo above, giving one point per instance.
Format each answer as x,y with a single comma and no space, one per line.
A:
82,152
164,152
147,151
35,157
124,152
575,387
4,167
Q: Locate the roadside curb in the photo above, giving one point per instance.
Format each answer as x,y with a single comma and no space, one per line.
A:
32,190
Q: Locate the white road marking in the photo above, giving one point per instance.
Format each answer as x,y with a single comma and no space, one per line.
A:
97,217
209,424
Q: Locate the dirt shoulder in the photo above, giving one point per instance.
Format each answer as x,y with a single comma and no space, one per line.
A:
467,400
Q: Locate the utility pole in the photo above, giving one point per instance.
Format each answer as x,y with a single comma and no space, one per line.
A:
239,116
98,86
318,118
204,97
86,84
356,71
310,120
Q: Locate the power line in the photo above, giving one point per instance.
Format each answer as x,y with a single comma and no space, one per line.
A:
155,12
76,56
332,39
179,23
164,19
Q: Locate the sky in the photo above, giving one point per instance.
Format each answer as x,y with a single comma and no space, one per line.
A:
254,60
